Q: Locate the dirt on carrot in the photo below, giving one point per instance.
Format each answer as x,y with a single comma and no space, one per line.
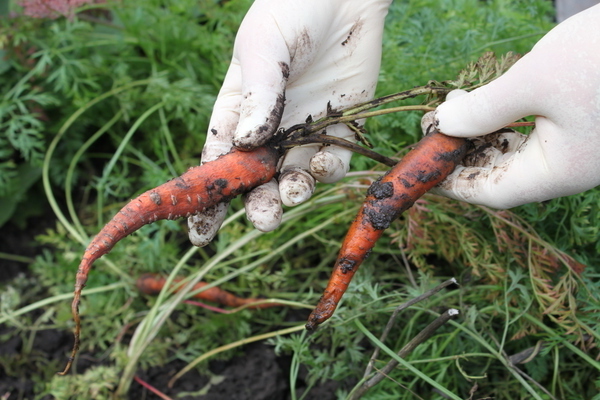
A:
197,189
152,284
426,165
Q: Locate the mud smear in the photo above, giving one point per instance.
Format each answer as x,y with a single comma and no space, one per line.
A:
353,34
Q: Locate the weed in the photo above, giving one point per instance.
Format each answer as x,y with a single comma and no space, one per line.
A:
101,105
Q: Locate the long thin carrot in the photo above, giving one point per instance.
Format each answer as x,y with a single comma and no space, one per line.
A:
432,160
152,284
200,187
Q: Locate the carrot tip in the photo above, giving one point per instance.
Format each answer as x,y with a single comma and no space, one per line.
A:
311,326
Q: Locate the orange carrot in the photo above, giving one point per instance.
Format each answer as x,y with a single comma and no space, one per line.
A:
197,189
152,284
430,162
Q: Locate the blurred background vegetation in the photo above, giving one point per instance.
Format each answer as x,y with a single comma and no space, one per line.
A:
109,101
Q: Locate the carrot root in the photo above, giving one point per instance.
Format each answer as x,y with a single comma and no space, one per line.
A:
197,189
429,163
152,284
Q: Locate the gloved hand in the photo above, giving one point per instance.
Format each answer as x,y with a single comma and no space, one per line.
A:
290,59
559,83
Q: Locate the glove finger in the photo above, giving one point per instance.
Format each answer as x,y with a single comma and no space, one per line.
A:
510,175
263,206
493,106
493,149
296,184
224,117
331,163
264,60
204,226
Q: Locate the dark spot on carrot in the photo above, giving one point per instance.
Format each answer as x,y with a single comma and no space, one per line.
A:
381,190
425,177
155,197
405,183
379,220
221,183
347,265
448,156
181,184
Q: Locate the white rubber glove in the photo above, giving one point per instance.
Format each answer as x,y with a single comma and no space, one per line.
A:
559,83
290,59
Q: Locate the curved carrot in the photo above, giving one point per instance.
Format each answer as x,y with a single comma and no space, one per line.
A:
430,162
197,189
152,284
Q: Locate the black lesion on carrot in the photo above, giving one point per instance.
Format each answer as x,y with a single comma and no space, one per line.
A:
406,183
347,265
155,197
449,156
379,220
182,184
221,183
455,155
426,177
125,226
217,186
381,216
381,190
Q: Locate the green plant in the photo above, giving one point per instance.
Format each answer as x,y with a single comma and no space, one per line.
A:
128,91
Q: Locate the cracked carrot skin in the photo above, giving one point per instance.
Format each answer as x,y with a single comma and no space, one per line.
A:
200,187
426,165
152,284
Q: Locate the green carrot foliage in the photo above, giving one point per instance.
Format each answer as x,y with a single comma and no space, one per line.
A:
115,100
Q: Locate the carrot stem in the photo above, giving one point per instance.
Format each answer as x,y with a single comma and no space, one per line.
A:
151,388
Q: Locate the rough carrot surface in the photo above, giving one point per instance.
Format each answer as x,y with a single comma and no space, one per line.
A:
430,162
152,284
200,187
